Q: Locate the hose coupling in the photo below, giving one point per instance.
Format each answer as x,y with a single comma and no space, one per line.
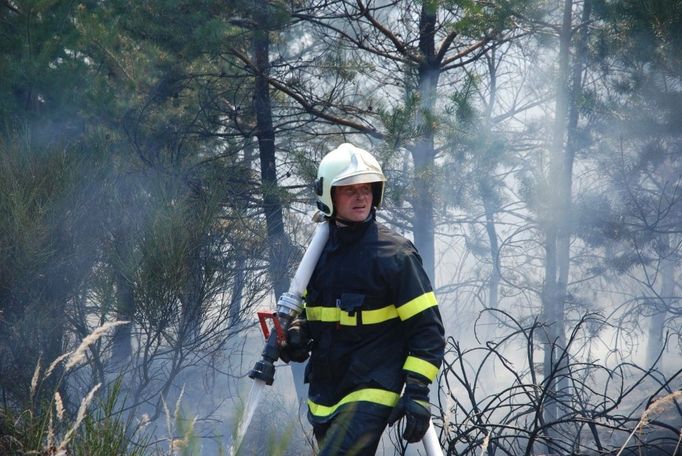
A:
290,305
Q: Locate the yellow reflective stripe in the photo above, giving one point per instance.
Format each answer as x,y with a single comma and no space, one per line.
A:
370,317
421,367
424,404
418,304
374,395
347,320
334,314
328,314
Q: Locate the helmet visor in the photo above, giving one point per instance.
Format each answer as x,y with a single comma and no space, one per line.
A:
364,178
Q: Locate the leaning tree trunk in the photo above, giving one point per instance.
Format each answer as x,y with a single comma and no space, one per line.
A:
487,194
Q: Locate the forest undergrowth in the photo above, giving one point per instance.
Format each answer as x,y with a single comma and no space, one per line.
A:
616,410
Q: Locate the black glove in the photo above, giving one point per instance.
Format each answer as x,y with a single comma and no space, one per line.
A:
414,405
296,347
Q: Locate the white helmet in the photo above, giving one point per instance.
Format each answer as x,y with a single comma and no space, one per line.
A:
347,165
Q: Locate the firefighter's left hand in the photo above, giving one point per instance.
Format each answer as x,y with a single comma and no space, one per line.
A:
415,407
296,347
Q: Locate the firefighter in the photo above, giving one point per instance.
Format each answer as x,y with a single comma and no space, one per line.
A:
371,321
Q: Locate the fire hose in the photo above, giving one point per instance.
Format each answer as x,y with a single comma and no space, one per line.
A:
289,306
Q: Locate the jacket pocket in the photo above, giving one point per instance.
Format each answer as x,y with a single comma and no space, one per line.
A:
350,302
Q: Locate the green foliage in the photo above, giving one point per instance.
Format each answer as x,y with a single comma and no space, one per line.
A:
188,443
275,428
46,426
638,54
21,433
132,189
106,432
49,234
51,81
639,50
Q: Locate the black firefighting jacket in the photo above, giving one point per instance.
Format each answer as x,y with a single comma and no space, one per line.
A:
373,318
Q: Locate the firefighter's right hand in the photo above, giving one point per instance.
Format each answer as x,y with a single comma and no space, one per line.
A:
296,347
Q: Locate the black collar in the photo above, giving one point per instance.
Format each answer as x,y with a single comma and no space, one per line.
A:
345,232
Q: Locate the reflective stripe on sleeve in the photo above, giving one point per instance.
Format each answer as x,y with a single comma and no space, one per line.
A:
418,304
370,317
421,367
374,395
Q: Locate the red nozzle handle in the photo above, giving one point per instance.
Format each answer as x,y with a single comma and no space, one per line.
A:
263,317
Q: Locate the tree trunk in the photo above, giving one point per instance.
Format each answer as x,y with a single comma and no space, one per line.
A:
280,248
494,283
236,318
121,349
192,296
424,152
486,193
656,339
272,206
557,233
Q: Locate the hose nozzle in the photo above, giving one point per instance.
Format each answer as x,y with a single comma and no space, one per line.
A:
289,306
263,370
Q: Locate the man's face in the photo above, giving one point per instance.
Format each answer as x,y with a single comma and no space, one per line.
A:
352,202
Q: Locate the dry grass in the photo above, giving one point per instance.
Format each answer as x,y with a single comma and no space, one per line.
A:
61,450
182,437
59,406
34,380
55,363
679,440
78,356
73,359
656,407
484,445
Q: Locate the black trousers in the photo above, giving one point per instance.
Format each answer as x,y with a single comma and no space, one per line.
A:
351,432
